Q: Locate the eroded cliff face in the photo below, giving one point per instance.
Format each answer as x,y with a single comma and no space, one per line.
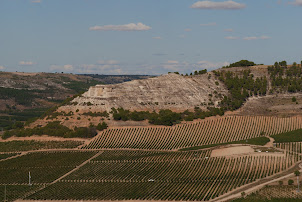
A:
170,91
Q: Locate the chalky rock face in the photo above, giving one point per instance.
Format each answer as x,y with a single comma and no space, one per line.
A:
169,91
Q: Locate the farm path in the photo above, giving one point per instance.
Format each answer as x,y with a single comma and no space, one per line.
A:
12,157
252,187
77,168
270,143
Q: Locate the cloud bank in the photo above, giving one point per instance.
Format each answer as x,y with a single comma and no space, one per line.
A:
2,67
26,63
62,67
128,27
225,5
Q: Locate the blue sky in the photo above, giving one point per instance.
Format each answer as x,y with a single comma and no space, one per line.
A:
146,36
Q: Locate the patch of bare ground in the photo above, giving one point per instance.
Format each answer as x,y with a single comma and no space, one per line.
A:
232,150
257,71
271,105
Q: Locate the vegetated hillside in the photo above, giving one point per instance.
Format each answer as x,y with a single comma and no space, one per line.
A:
171,98
27,95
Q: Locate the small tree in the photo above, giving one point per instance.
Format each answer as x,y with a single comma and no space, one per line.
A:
290,182
294,99
280,182
242,194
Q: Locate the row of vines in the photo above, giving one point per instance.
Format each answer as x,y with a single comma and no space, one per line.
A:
205,132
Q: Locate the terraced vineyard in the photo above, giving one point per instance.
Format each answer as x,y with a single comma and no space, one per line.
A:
44,167
205,132
119,175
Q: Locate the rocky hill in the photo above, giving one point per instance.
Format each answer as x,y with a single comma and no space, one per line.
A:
170,91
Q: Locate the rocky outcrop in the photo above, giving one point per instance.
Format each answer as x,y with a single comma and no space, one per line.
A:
170,91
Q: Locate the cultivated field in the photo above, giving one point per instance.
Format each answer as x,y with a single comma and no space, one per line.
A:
205,132
118,175
44,167
143,162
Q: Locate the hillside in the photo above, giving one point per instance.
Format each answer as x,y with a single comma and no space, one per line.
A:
24,96
170,91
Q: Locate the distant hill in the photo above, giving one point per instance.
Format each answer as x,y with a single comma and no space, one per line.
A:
27,95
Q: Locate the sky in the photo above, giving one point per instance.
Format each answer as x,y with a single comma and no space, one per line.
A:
146,36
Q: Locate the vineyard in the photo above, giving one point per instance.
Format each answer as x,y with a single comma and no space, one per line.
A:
44,167
291,147
274,193
14,192
7,155
120,175
147,163
13,146
204,132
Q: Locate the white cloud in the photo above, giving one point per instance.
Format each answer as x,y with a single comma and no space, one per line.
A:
2,67
229,30
67,67
182,36
128,27
188,30
36,1
225,5
209,24
26,63
231,37
249,38
297,3
156,37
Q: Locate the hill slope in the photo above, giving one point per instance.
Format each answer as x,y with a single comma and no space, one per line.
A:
170,91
